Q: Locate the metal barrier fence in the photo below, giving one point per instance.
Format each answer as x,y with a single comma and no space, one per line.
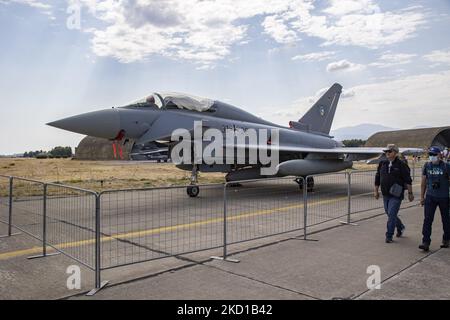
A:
122,227
145,224
5,203
249,216
257,209
329,198
28,206
362,189
70,225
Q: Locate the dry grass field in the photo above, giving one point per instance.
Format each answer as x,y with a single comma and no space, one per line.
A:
106,175
101,175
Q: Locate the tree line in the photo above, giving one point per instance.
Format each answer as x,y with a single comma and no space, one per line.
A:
57,152
354,143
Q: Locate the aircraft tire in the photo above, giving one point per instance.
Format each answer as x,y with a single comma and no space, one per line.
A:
309,183
193,191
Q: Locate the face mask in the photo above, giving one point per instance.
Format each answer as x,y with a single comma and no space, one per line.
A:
434,159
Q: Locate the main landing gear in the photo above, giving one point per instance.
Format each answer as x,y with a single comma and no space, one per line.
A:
309,183
193,190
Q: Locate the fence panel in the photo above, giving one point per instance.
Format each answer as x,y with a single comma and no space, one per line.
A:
362,199
416,170
27,206
328,200
4,199
70,222
261,208
146,224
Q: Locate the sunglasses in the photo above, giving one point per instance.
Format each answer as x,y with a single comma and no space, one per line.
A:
388,151
432,154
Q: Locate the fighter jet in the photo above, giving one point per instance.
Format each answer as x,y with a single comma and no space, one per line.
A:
305,147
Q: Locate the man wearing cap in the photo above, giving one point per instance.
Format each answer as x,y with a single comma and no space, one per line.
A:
435,193
393,175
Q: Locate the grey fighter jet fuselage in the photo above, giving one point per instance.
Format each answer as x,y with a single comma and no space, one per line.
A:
305,147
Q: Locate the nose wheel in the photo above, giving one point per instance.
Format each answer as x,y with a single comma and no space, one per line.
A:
193,190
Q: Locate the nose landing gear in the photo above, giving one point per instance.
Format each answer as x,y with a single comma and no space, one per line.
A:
193,190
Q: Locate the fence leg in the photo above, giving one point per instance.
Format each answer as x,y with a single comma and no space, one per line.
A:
305,212
98,283
305,208
10,210
349,200
225,255
44,229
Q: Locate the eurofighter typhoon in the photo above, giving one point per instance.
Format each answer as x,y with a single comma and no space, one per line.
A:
239,143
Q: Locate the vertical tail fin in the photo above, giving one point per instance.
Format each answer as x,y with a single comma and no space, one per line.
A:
320,117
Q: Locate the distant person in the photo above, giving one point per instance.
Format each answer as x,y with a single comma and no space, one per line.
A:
404,160
446,154
393,176
435,193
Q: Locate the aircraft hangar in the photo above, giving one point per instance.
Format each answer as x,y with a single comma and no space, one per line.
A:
92,148
415,138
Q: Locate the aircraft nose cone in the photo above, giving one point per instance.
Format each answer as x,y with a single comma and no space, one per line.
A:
101,124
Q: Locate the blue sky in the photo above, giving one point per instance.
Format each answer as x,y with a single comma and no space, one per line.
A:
272,58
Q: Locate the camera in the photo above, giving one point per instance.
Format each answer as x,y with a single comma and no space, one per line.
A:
436,185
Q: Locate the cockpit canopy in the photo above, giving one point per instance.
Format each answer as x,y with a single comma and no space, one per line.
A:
172,100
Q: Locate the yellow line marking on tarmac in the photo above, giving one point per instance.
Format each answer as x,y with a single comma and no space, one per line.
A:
134,234
128,235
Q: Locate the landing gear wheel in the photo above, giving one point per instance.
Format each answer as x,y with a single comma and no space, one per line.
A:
309,183
193,191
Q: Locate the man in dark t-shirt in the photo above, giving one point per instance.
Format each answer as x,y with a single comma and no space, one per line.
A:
435,193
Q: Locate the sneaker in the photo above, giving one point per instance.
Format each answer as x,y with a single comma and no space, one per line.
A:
389,240
425,247
445,244
401,231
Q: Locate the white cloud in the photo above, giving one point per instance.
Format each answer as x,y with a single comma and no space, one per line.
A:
278,30
365,30
196,30
343,7
350,23
41,6
32,3
401,103
389,59
439,56
205,32
344,65
315,56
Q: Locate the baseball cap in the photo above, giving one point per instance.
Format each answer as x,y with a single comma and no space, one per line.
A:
391,147
434,150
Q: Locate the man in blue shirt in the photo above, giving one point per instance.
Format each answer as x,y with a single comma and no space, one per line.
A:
435,183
